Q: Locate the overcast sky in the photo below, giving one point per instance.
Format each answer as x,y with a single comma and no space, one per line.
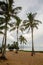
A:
30,6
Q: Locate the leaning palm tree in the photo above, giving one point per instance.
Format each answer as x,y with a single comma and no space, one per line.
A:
31,23
1,25
22,39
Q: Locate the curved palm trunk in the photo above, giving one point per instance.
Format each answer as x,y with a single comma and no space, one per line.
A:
4,39
32,43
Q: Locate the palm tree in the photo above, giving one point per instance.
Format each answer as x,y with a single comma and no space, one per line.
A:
31,23
17,26
8,12
13,11
22,39
1,26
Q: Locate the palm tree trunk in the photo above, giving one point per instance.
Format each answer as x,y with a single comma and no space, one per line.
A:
5,41
2,45
32,43
17,41
5,37
17,36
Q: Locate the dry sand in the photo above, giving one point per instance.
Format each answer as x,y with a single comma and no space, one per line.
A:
22,58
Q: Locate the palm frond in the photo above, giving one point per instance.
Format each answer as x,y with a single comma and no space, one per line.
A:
28,30
38,21
27,26
2,27
10,24
16,10
2,20
18,20
10,4
4,7
36,26
22,39
22,29
1,32
16,17
18,23
25,21
13,28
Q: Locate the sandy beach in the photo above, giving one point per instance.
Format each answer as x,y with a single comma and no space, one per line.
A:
22,58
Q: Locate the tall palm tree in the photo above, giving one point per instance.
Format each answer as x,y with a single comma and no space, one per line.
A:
1,26
31,23
8,12
17,26
12,11
22,39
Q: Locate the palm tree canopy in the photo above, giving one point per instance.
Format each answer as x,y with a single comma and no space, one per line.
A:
8,8
16,24
8,11
22,39
31,22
